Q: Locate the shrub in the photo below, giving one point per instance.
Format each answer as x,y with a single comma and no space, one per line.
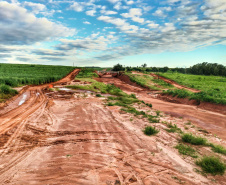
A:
211,165
5,89
149,104
189,138
153,119
98,95
149,130
110,104
186,150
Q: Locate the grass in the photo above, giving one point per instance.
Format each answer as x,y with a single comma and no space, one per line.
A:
195,140
87,73
99,87
186,150
213,88
212,165
98,95
173,128
6,92
145,81
149,130
218,149
21,74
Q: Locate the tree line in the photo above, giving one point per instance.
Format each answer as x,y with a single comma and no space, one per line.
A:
204,68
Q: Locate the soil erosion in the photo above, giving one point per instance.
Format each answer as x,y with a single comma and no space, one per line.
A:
72,137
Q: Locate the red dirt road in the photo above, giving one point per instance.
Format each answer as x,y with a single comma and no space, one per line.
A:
211,121
81,141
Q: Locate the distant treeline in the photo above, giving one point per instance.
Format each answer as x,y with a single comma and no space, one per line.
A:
198,69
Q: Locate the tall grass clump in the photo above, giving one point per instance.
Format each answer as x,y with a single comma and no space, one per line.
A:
218,149
212,165
149,130
195,140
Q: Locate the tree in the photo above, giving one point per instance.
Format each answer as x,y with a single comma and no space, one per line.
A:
144,65
118,67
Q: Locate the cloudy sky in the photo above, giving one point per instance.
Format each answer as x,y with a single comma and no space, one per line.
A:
173,33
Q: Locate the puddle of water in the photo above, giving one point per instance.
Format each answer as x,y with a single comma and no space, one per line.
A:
23,99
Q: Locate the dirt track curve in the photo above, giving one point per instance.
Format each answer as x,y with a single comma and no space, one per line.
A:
78,140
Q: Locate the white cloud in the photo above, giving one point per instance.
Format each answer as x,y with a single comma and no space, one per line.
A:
91,12
134,14
86,22
36,7
15,21
114,1
78,7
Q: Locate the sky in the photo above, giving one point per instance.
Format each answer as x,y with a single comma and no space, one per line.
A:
174,33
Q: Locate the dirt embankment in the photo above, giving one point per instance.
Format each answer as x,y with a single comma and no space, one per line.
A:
175,84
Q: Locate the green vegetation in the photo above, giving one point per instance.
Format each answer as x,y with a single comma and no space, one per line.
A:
149,130
98,95
148,81
186,150
173,128
218,149
6,92
213,88
195,140
20,74
211,165
86,73
98,87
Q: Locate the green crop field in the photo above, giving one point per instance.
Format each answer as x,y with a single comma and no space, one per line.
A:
213,88
18,74
13,75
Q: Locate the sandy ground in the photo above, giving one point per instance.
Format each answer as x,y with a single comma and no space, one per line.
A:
73,138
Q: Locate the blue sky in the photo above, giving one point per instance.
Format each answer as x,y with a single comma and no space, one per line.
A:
103,33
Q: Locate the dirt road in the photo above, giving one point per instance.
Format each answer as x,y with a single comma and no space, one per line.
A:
211,121
78,140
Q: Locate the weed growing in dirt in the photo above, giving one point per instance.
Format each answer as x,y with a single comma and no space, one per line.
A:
6,92
212,165
153,119
132,110
195,140
149,130
158,112
186,150
188,123
218,149
98,95
86,73
173,128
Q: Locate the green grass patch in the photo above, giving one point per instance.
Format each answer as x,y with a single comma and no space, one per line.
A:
218,149
87,73
211,165
195,140
149,130
173,128
213,88
186,150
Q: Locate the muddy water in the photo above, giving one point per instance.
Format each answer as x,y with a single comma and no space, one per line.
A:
215,123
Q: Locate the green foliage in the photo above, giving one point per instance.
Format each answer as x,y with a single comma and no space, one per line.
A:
152,119
132,110
87,73
6,92
173,128
211,165
21,74
218,149
149,105
186,150
213,88
98,95
149,130
189,138
118,67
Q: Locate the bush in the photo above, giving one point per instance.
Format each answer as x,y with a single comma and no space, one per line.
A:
173,128
211,165
98,95
149,130
186,150
189,138
5,89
